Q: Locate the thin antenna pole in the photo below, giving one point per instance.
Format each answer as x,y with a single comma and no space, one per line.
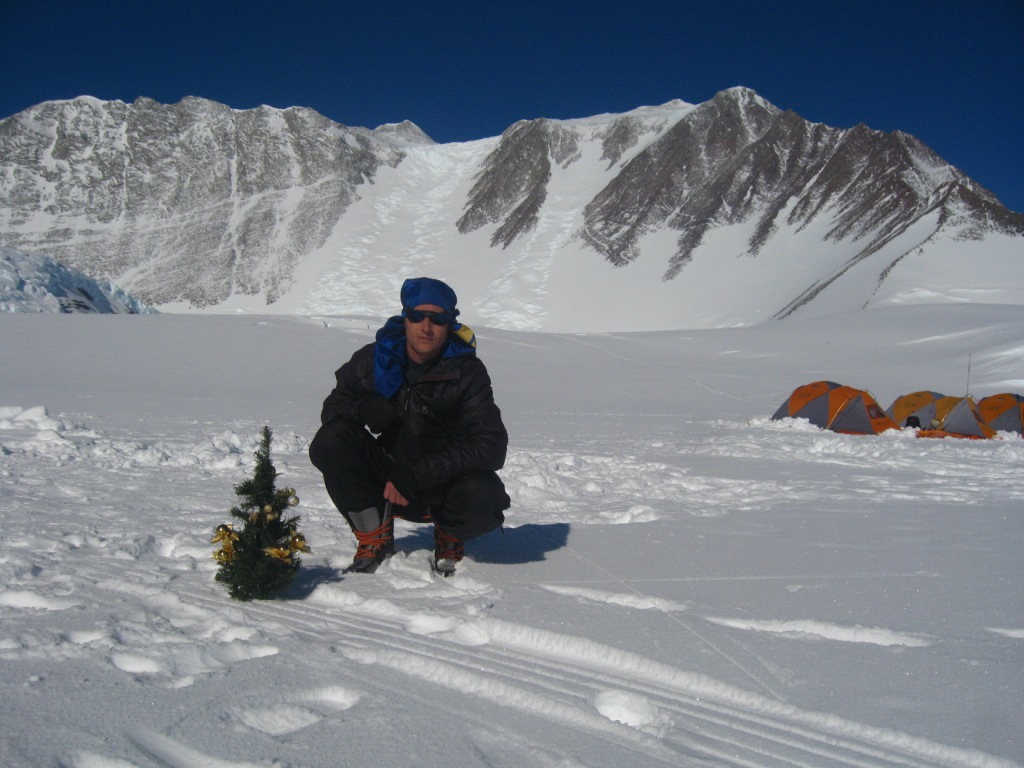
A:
968,392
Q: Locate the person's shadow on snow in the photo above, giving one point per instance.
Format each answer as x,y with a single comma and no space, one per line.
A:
528,543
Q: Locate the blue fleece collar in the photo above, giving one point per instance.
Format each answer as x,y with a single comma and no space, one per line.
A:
390,359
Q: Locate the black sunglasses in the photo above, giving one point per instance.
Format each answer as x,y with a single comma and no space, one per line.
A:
417,315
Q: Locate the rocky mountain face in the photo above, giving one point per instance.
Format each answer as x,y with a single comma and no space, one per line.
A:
185,203
193,204
512,185
736,159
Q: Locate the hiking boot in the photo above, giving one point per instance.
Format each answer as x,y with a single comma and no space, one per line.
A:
374,545
448,551
374,548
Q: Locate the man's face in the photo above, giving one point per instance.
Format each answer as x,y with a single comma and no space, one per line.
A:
424,340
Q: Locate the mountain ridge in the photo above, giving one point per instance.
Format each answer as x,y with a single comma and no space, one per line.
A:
196,206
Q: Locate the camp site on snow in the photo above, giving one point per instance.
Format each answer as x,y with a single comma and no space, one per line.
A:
855,411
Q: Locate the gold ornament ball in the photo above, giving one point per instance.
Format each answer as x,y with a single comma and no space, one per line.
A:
293,501
268,508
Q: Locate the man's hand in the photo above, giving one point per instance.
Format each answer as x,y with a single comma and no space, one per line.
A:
391,494
401,487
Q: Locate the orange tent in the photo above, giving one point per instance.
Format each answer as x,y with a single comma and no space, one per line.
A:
1003,412
916,409
836,407
940,416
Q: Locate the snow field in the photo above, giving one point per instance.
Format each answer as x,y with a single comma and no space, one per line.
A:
680,582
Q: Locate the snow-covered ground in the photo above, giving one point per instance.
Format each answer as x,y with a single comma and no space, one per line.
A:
681,581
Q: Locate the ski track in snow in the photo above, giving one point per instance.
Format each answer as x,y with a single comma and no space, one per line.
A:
403,621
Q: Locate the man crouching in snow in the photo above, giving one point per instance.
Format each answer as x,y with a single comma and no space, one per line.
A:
421,389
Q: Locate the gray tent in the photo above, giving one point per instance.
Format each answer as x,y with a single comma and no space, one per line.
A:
1004,412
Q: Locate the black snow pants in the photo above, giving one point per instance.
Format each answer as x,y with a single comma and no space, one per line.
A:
356,468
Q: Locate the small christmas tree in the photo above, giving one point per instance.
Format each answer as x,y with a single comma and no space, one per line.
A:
261,558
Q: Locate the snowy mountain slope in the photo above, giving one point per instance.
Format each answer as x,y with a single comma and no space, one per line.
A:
680,582
31,283
728,212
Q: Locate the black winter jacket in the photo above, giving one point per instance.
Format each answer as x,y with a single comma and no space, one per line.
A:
448,424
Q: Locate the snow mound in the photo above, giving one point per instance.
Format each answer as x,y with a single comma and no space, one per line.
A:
34,433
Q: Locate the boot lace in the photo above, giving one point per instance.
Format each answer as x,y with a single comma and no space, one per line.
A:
446,546
376,544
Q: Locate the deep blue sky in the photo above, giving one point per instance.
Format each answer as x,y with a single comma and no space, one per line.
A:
950,73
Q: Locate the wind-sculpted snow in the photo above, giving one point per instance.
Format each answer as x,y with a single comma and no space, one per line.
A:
564,486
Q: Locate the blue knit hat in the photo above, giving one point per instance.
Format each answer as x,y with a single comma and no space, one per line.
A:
427,290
